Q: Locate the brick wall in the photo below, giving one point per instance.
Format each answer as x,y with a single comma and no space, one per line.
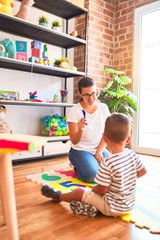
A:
110,38
124,34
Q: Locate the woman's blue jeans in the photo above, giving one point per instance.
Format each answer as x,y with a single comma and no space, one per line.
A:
85,164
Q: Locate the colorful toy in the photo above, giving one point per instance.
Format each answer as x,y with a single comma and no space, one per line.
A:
34,59
24,9
8,48
65,63
21,50
4,127
45,52
64,94
36,44
21,46
74,33
9,95
35,51
55,98
54,126
6,6
21,56
37,56
32,95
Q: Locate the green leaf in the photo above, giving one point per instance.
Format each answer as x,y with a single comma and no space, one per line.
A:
109,84
113,71
132,103
117,79
121,93
125,80
112,93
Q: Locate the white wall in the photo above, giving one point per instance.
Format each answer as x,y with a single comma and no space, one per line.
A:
23,119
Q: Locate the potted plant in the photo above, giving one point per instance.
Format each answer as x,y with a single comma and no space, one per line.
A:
56,25
115,94
57,62
43,21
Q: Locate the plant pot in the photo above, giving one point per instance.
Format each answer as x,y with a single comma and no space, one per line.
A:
43,24
55,28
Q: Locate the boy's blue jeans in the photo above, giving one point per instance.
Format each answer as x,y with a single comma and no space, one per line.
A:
85,163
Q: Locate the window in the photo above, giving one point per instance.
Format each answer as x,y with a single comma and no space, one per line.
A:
146,132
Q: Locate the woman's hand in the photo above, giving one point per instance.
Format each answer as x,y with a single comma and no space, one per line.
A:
76,130
82,124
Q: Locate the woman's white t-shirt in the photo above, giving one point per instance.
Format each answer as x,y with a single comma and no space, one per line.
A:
94,129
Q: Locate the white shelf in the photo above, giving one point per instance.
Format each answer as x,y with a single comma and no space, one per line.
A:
26,29
15,64
40,104
57,139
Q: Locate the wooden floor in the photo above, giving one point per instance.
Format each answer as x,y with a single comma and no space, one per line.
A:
41,219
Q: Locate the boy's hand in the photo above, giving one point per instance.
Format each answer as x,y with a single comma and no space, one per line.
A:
98,156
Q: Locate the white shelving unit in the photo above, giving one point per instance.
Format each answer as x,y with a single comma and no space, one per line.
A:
12,25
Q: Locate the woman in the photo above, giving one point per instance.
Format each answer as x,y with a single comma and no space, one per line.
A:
86,126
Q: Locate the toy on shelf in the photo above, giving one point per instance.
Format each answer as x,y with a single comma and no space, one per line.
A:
74,68
45,52
74,33
8,48
33,95
54,126
63,62
4,127
55,98
36,47
21,50
6,6
9,95
64,94
24,9
36,55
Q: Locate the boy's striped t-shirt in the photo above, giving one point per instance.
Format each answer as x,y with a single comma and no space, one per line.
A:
119,173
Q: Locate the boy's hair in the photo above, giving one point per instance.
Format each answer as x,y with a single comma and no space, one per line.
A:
117,127
85,82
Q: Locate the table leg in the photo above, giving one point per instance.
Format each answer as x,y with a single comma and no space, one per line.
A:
8,195
2,204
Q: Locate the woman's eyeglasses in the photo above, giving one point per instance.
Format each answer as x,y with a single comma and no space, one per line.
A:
87,95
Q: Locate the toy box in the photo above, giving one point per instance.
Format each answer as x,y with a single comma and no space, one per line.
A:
9,95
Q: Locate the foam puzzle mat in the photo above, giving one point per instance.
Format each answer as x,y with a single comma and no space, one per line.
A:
146,213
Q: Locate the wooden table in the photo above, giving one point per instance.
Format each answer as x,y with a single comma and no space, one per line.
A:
13,143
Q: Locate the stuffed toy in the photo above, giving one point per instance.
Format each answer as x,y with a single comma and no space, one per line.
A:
8,48
4,127
24,9
6,6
